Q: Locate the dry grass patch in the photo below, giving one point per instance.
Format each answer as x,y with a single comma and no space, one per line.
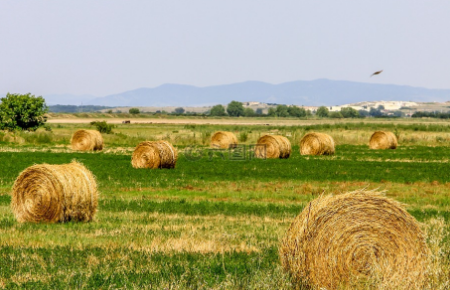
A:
156,233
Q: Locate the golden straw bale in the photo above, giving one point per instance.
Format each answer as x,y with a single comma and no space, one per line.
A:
273,146
154,154
383,140
317,144
55,193
224,140
86,140
356,237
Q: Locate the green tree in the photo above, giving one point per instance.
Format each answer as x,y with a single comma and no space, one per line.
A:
282,111
134,111
22,112
308,113
335,114
249,112
259,111
295,111
217,110
349,112
375,112
399,114
235,109
272,112
322,111
363,113
179,111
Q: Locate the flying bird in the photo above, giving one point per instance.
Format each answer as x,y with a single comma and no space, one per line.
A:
376,73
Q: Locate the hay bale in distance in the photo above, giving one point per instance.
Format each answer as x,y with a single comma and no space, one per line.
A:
273,146
154,154
55,193
224,140
355,237
383,140
317,144
87,140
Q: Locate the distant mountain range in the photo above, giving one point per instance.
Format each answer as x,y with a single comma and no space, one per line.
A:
307,93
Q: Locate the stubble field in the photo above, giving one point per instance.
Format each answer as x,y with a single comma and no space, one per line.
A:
216,221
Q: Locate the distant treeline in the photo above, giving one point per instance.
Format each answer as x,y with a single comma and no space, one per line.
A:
431,115
236,109
75,109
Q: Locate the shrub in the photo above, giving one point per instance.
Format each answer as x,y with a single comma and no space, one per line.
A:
134,111
243,136
103,127
48,128
179,111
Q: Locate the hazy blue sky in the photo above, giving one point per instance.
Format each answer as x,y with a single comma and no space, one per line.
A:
107,46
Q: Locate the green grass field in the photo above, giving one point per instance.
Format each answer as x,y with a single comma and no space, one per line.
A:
214,222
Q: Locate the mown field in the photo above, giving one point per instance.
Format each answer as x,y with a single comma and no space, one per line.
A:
214,222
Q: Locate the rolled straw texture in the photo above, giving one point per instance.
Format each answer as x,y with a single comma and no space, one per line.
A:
273,146
383,140
224,140
359,236
87,140
55,193
154,154
317,144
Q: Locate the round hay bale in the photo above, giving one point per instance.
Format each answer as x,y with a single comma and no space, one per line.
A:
87,140
55,193
383,140
317,144
353,238
154,154
224,140
273,146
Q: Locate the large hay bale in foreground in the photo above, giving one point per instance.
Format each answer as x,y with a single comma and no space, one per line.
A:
55,193
357,237
154,154
86,140
224,140
317,144
273,146
383,140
